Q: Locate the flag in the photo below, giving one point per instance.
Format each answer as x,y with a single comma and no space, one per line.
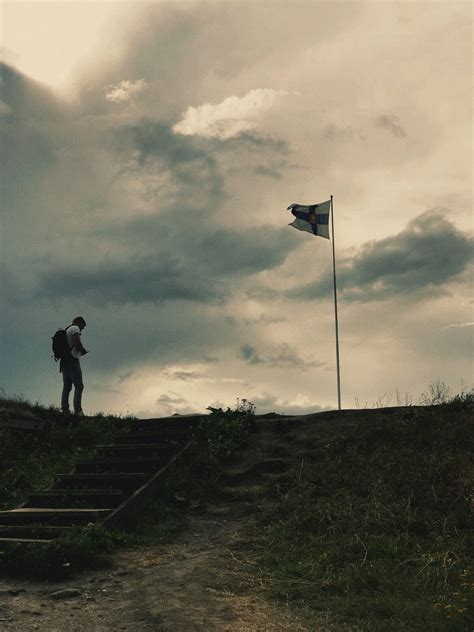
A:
314,218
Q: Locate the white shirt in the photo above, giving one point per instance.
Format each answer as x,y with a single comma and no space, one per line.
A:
70,331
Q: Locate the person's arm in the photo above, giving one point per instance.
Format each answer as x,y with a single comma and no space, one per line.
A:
77,344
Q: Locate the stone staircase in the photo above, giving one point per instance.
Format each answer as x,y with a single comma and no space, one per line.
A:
105,490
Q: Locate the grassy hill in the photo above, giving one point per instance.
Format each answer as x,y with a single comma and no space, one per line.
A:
376,524
372,525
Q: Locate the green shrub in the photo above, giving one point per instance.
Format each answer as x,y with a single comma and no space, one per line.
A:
224,431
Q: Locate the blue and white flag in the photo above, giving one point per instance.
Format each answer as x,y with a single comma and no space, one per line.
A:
314,218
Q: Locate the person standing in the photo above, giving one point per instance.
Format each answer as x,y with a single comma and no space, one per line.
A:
70,367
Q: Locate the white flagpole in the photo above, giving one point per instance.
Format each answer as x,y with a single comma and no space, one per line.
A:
335,308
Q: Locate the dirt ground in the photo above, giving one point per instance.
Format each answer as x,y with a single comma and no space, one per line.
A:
201,582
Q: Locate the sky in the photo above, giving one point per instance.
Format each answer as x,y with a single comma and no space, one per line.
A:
149,154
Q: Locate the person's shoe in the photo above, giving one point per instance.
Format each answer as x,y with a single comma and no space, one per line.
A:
79,413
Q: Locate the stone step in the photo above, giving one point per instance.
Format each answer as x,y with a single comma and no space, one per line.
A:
128,481
47,517
85,499
123,465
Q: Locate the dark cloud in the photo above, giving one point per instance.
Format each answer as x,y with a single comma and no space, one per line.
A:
194,264
133,281
188,51
335,132
268,172
262,155
283,356
390,123
189,159
419,261
250,355
28,99
255,141
26,138
183,376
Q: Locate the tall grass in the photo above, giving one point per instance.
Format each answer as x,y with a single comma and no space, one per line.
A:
377,525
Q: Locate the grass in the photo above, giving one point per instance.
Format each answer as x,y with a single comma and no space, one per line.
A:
376,527
190,480
34,459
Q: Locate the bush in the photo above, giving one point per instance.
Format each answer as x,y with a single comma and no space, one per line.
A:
224,431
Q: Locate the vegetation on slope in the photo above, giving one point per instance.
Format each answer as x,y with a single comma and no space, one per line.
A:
34,460
30,461
376,526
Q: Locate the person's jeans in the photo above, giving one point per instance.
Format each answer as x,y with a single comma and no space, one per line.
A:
72,374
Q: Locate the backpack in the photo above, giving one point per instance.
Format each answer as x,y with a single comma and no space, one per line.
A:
61,349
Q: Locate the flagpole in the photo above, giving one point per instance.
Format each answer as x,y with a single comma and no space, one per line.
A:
335,308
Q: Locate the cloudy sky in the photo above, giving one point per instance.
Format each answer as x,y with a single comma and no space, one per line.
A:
149,154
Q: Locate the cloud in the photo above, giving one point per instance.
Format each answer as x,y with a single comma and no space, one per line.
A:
124,91
250,355
268,172
284,357
151,145
391,123
300,405
4,109
230,118
196,375
133,281
178,264
169,404
419,261
185,375
459,325
148,232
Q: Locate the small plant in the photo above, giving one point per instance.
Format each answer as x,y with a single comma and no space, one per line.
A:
438,393
224,431
403,400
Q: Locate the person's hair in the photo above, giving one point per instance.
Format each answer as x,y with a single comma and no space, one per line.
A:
79,321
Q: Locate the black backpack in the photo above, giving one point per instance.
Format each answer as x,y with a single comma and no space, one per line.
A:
61,349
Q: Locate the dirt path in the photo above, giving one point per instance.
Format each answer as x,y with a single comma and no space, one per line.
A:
201,582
